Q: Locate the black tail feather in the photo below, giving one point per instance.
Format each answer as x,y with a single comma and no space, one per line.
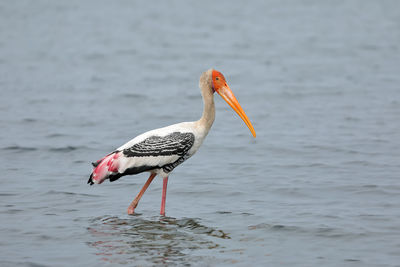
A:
90,181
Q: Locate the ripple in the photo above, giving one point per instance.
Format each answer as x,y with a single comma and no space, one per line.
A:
8,194
274,227
54,192
20,148
152,241
134,96
321,231
12,211
25,264
29,120
65,149
55,135
352,260
223,212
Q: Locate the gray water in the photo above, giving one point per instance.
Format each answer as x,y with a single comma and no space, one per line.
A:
319,186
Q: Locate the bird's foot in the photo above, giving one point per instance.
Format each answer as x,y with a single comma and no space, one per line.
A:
131,210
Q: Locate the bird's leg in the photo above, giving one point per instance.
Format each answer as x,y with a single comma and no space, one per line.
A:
132,206
164,196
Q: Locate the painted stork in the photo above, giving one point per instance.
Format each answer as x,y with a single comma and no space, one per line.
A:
160,151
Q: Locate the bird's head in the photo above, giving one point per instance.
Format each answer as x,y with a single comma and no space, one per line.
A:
219,85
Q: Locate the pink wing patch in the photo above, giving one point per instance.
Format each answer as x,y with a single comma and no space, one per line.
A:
106,166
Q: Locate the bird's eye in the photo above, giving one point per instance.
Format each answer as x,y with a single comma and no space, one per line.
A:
217,78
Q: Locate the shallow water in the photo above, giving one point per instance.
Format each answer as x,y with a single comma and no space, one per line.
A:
319,186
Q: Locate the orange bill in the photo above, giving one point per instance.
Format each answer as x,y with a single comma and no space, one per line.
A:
226,93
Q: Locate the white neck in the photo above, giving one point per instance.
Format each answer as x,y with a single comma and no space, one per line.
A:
207,119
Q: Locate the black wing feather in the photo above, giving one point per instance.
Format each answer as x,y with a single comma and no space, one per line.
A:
175,143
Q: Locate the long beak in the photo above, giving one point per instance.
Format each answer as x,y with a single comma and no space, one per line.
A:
227,94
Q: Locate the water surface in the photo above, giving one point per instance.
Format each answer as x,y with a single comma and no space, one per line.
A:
319,186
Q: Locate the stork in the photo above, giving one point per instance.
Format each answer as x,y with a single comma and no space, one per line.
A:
161,150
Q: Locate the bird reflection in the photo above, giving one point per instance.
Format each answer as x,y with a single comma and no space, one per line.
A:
157,241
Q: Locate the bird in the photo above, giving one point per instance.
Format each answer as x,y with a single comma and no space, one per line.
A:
161,150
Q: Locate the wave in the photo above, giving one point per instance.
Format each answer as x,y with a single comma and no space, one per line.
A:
20,148
322,231
154,241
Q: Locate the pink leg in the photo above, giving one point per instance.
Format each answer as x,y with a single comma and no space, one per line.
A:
132,206
164,196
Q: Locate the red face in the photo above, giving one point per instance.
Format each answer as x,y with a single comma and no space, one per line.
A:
218,80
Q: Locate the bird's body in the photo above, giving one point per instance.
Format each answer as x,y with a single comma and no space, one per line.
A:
159,151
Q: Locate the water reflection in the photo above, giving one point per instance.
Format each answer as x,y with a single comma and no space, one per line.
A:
157,241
